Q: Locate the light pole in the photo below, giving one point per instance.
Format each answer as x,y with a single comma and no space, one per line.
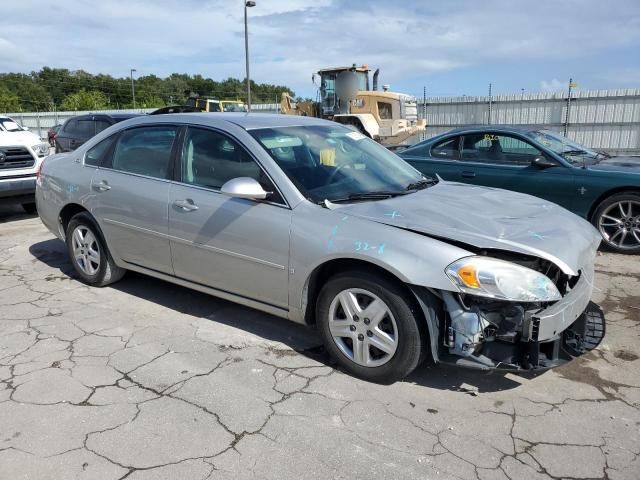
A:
133,88
247,4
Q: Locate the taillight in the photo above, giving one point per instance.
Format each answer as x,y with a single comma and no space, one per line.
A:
39,173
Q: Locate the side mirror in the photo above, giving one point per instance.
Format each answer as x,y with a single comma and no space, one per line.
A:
244,187
543,162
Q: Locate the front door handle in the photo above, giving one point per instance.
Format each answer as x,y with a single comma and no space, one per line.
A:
186,205
103,186
468,174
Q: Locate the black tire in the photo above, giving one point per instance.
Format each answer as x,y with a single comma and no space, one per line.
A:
29,207
611,231
411,334
107,271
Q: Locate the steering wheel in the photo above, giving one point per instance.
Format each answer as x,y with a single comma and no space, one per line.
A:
335,172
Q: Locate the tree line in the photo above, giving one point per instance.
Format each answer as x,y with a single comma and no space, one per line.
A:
53,89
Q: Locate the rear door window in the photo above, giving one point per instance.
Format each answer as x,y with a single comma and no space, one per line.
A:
145,151
81,127
101,125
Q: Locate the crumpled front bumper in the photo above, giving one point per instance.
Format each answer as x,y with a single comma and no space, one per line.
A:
545,338
559,316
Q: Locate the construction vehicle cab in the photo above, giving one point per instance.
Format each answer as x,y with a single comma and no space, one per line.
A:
346,97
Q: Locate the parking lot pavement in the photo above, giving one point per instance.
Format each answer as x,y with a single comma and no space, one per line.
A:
146,380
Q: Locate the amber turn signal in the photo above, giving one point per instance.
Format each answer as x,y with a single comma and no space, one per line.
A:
468,274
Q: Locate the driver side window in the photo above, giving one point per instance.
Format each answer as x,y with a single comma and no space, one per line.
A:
498,149
448,149
210,159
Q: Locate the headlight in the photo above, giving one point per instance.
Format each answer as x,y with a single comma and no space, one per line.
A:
41,149
499,279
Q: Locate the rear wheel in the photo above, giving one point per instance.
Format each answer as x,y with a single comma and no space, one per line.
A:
89,254
618,220
371,326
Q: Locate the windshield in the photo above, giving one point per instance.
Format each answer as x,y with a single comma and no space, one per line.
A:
9,125
336,163
234,107
568,149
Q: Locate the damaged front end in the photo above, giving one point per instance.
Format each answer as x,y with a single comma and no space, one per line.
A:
493,333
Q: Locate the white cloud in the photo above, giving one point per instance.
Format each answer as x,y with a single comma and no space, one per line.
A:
290,39
554,85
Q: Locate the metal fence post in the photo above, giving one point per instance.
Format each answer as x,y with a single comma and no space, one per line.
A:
38,124
490,105
566,120
424,111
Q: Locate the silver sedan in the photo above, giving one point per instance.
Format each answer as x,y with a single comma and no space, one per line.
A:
311,221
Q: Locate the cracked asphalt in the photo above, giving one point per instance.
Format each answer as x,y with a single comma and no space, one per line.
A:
147,380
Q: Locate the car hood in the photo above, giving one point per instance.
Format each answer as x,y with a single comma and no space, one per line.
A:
618,164
489,218
9,139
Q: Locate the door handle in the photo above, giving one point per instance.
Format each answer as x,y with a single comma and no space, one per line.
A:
468,174
103,186
186,205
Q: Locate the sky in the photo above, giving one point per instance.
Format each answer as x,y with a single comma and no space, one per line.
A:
451,47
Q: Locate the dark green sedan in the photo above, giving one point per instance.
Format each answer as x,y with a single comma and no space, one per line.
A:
603,189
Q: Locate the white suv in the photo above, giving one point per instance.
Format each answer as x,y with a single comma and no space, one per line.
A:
21,154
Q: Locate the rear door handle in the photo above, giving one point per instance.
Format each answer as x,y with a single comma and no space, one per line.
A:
103,186
468,174
186,205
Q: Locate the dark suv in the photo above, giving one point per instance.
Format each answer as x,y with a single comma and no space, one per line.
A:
78,130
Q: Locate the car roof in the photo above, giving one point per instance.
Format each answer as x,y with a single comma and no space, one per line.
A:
123,116
115,116
247,121
494,128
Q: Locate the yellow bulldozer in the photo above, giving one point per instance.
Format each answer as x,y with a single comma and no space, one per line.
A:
345,97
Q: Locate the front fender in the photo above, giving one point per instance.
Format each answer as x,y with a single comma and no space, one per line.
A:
321,235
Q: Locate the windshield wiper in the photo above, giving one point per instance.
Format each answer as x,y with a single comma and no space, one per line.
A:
420,184
381,195
574,152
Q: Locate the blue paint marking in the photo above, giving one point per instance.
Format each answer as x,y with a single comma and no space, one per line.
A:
393,214
330,244
365,247
334,230
345,218
537,235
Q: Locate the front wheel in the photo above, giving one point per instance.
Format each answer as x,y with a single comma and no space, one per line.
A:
618,220
371,326
89,255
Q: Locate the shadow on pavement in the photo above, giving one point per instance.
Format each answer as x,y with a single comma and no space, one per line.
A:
9,213
301,339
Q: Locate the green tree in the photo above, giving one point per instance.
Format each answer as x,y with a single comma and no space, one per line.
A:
9,101
61,89
85,100
32,96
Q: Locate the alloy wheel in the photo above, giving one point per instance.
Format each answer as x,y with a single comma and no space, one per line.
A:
86,250
363,327
619,224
